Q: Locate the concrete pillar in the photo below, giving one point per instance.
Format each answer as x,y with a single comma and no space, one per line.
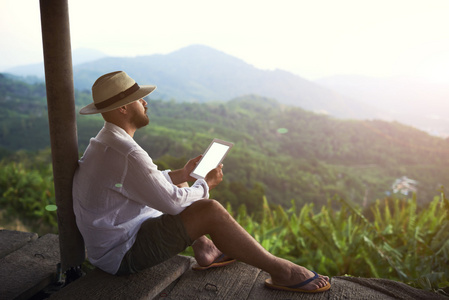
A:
61,115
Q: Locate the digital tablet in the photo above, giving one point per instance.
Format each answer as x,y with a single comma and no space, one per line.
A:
212,157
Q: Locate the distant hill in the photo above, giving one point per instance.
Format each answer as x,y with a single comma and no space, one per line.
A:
407,100
201,74
79,56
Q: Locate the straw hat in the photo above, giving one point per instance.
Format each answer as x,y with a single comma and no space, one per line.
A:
114,90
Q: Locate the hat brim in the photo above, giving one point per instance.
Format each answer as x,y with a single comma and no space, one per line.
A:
143,91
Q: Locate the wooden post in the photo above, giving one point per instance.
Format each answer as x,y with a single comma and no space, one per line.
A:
62,119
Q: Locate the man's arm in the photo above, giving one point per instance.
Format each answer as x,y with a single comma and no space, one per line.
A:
145,184
213,178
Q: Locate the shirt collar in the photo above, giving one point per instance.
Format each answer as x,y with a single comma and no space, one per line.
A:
115,129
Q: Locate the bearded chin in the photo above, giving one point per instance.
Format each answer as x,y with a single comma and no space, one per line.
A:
145,121
142,122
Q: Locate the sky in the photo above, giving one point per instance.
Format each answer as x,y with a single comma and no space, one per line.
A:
312,39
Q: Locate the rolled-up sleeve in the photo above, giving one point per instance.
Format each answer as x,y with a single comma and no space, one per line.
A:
147,185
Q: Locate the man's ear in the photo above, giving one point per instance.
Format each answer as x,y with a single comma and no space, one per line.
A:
123,109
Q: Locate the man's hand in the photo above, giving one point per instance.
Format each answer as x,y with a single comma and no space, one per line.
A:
214,177
189,167
181,176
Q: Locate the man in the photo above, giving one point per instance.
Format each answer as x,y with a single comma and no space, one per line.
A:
133,216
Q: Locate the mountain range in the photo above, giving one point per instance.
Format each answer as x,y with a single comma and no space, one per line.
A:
199,73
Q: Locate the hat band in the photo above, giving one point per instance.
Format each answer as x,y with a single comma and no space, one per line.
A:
118,97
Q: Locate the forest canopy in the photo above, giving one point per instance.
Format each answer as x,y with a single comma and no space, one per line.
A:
280,151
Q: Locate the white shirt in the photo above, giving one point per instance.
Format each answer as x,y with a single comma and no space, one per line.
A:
115,188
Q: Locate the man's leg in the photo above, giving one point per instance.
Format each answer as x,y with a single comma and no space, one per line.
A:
210,217
205,251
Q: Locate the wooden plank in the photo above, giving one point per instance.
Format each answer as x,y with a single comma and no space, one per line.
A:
377,288
11,240
145,285
342,289
28,270
234,281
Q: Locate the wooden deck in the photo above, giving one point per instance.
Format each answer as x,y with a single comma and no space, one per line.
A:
28,264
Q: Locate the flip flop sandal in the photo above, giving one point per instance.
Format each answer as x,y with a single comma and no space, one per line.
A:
218,262
297,287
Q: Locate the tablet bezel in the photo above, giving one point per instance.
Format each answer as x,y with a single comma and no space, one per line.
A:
219,141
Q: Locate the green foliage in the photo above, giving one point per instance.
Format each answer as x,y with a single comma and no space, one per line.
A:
27,191
403,243
23,117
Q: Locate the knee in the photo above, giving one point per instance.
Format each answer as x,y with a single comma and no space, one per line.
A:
210,206
208,209
203,216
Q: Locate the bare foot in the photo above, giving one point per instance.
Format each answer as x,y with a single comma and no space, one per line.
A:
205,251
299,274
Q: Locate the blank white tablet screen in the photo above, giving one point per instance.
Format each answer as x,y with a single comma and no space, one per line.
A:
211,159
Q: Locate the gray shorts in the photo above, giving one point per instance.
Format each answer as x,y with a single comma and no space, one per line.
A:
158,239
